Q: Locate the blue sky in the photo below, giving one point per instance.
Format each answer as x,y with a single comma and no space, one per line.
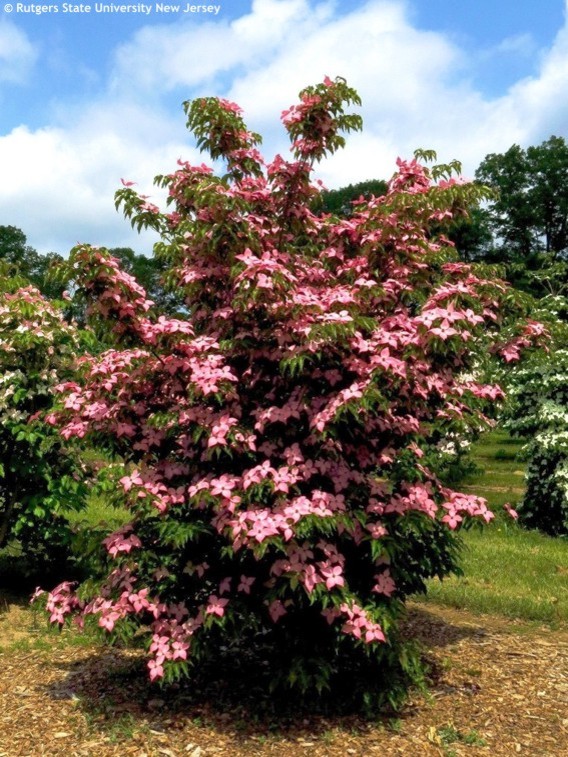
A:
87,98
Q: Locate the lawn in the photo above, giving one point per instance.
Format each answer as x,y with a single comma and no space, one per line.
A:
507,570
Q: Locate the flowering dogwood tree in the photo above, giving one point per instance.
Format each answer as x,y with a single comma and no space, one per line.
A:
537,412
39,477
273,439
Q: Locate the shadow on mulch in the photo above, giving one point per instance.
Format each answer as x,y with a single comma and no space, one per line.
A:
112,687
431,631
8,598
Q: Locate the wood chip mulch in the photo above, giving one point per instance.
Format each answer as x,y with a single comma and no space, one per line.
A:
499,688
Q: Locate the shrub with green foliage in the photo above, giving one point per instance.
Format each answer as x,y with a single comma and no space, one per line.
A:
538,412
274,438
39,476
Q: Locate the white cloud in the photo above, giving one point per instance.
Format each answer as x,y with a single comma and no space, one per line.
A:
539,103
17,54
416,92
58,182
188,55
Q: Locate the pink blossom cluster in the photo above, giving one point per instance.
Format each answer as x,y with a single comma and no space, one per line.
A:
62,601
300,561
171,640
459,505
358,623
120,541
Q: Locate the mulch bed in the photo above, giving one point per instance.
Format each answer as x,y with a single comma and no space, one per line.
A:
499,688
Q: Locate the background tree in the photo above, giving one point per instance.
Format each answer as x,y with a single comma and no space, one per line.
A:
340,201
537,411
39,473
20,258
472,237
530,213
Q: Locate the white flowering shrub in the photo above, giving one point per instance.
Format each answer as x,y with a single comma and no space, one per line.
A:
539,413
39,477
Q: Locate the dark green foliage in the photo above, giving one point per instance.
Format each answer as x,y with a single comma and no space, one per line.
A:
472,236
530,212
339,202
21,259
40,476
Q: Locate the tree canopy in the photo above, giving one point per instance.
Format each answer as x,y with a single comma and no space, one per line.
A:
529,213
21,259
340,201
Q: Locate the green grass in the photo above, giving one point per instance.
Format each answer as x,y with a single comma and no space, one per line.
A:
507,570
449,734
511,572
500,471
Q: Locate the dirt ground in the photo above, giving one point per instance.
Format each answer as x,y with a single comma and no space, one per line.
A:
501,688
